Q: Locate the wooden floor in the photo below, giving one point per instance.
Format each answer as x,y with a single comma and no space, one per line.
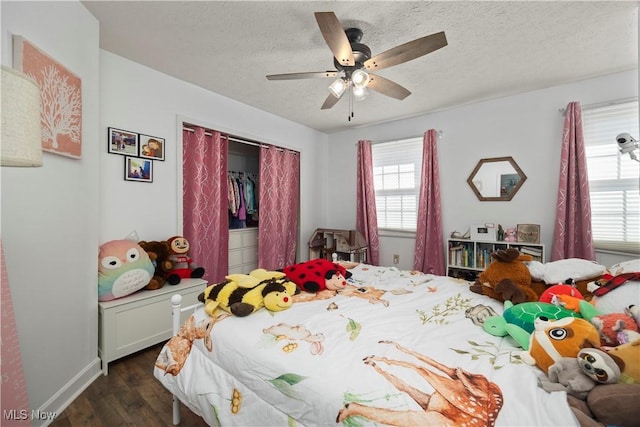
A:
129,396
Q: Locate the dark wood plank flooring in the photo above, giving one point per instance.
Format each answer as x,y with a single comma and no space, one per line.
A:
129,396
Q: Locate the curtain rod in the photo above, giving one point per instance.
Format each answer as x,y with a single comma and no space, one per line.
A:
563,111
439,132
243,140
229,137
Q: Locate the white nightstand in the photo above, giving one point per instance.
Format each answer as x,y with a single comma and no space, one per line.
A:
140,320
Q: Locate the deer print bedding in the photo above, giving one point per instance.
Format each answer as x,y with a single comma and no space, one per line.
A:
396,348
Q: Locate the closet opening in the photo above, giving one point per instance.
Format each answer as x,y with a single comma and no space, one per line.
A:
240,201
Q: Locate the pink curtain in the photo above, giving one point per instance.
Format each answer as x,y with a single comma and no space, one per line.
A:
366,217
429,253
279,195
205,201
14,389
572,236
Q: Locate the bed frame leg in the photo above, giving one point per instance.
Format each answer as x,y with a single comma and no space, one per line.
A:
176,300
176,411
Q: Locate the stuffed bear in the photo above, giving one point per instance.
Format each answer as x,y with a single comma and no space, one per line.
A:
123,268
243,294
510,235
182,265
506,278
158,252
317,275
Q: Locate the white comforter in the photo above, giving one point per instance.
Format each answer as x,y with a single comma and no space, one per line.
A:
404,354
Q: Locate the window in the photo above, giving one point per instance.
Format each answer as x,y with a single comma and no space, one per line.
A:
614,178
396,176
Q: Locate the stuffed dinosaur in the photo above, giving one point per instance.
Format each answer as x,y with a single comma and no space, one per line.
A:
243,294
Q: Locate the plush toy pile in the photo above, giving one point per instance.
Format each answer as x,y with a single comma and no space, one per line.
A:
587,345
602,379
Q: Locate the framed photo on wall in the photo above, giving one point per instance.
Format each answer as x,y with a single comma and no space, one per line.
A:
122,142
151,147
137,169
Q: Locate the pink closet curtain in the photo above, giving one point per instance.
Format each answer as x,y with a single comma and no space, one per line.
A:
279,195
572,236
366,217
429,253
205,201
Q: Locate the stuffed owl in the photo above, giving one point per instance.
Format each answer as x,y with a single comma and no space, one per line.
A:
123,268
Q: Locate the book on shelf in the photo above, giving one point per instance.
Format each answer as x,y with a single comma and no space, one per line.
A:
461,256
536,252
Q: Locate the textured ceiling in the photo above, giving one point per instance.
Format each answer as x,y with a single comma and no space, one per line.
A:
494,49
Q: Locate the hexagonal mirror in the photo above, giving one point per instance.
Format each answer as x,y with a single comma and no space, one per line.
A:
496,179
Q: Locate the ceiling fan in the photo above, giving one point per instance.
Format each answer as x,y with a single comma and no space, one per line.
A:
353,61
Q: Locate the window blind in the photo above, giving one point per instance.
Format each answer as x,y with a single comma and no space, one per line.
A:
397,166
614,178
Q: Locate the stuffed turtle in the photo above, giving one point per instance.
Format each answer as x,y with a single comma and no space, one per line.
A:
521,317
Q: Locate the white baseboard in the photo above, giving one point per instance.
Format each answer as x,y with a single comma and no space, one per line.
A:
59,402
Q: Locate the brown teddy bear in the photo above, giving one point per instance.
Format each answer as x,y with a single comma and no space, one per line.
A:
159,253
506,278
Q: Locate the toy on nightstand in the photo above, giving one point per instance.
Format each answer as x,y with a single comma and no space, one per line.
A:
183,266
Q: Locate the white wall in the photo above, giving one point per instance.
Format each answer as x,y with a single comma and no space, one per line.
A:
527,126
50,217
139,99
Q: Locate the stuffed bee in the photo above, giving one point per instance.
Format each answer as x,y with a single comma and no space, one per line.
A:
243,294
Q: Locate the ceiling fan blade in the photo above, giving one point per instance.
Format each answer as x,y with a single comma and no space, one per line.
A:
407,51
387,87
335,37
330,101
298,76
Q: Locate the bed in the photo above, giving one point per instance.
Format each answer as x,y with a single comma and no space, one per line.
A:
402,348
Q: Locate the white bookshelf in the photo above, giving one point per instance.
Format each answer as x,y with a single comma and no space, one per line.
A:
466,258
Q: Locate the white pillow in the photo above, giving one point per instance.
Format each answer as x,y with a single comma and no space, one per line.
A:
559,271
631,266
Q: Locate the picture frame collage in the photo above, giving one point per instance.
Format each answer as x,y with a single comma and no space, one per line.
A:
139,151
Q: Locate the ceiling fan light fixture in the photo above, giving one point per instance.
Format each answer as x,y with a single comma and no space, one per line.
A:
338,87
360,93
360,78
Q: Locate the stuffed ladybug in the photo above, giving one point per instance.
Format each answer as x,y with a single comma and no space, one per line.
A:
317,275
